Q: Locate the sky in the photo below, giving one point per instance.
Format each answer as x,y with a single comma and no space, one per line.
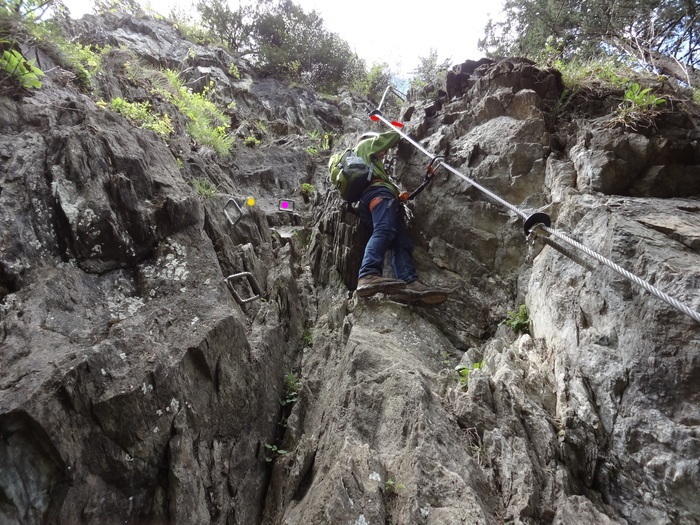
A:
394,32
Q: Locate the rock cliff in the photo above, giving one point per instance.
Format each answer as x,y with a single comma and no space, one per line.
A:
168,357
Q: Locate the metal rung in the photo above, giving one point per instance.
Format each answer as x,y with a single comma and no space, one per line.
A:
253,285
240,212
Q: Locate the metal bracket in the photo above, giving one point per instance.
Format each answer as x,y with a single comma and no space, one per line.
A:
394,91
286,205
240,212
536,218
251,281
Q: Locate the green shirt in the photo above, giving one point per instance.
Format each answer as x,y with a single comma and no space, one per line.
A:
368,149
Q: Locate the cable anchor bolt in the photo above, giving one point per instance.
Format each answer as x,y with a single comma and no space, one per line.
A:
534,219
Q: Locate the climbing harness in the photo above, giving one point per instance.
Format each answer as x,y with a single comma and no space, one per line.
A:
537,224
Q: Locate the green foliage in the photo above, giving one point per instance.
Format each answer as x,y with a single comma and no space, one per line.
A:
607,71
639,98
190,28
603,77
463,372
292,384
303,237
373,84
251,141
639,107
392,488
232,26
518,320
324,141
207,124
306,337
662,35
273,452
85,61
82,60
216,137
327,141
283,40
296,45
233,71
205,188
15,66
307,189
141,115
130,7
428,70
29,10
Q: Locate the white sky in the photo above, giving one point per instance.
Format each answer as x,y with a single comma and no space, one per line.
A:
388,31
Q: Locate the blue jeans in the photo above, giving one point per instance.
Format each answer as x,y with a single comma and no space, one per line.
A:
388,232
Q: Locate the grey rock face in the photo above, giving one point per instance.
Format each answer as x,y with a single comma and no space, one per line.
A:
134,387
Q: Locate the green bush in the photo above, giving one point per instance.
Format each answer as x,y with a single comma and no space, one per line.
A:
603,72
518,320
639,108
83,61
292,384
307,189
251,141
463,372
205,188
13,63
142,116
207,124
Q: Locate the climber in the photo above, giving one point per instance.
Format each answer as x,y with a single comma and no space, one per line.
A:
381,210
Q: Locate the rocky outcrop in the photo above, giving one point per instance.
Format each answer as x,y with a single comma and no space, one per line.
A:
139,384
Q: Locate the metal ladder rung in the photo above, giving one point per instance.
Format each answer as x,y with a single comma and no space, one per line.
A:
240,212
251,281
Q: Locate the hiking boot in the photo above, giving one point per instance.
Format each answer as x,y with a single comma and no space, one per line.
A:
419,291
372,284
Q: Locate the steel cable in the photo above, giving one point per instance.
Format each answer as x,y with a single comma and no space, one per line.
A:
376,115
628,275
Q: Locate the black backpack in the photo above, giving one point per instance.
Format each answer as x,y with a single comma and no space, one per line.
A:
351,175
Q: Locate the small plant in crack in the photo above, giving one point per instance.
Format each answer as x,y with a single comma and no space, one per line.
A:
518,320
474,445
464,370
273,452
306,338
392,487
205,188
292,384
